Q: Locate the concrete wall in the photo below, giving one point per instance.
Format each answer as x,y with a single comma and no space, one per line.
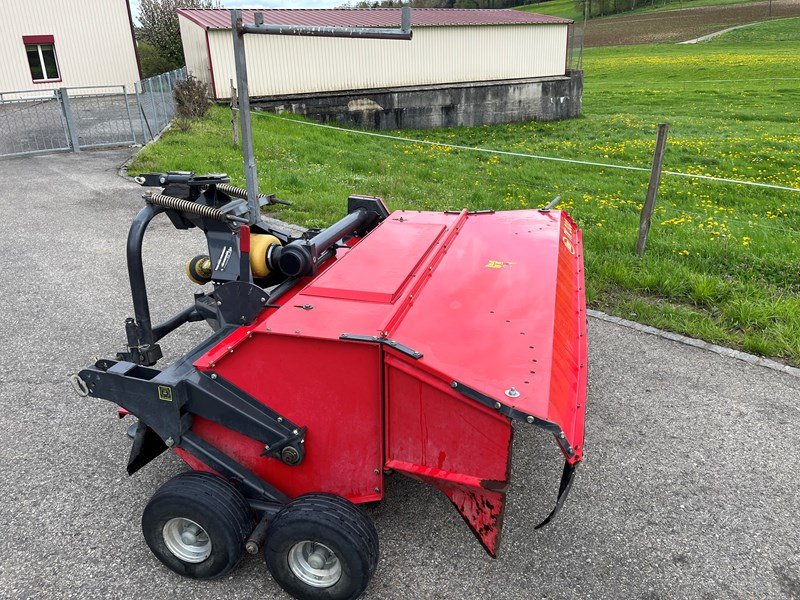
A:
423,107
436,55
92,39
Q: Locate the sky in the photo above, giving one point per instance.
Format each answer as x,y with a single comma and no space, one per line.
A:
259,4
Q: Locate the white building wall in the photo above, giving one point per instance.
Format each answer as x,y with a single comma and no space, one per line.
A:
289,65
195,50
92,41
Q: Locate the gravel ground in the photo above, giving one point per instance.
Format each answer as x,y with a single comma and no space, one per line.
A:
689,488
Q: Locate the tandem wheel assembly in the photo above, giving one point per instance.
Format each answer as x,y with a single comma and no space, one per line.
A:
318,546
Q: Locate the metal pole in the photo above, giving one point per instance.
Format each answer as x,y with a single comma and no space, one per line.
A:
155,112
250,173
171,87
128,109
67,108
234,116
652,190
163,110
140,110
239,29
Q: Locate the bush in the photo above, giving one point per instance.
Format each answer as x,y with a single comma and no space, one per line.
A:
151,61
191,98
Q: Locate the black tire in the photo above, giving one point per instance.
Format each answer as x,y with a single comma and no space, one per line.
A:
207,501
336,524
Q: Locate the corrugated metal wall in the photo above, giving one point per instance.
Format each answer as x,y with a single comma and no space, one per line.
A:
290,65
92,41
195,50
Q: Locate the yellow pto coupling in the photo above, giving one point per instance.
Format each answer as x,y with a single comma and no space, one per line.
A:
261,245
198,269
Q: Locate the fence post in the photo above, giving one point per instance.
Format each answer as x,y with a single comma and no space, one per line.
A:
67,108
652,190
155,111
234,115
128,110
171,103
140,110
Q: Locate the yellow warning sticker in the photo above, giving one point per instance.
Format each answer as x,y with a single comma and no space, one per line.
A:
165,393
498,264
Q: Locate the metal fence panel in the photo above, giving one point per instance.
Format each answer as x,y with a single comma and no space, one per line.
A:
155,102
100,116
32,122
86,117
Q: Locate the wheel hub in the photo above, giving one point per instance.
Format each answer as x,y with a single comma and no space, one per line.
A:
315,564
187,540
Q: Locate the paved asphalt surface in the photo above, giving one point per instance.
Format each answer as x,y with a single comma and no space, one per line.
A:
689,488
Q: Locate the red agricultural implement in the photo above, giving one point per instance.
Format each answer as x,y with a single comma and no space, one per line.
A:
404,342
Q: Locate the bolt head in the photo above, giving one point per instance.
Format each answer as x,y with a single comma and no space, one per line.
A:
213,376
530,419
454,384
497,405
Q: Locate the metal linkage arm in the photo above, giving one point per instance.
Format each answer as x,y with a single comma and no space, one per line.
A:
404,33
240,28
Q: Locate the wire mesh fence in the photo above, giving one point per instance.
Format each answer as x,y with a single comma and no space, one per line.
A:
155,102
33,121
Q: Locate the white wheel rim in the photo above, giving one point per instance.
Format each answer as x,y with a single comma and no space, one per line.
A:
315,564
187,540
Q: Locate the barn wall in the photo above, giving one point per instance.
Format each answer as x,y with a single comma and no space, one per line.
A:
195,50
92,41
290,65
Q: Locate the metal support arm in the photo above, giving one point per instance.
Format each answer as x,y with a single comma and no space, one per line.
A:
240,29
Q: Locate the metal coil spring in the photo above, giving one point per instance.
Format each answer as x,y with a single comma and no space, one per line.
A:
232,190
186,206
237,192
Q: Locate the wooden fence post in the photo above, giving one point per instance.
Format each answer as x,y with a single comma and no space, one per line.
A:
234,115
652,190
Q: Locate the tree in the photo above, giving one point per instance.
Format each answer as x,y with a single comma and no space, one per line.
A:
160,29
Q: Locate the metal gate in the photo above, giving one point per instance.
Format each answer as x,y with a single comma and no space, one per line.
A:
33,121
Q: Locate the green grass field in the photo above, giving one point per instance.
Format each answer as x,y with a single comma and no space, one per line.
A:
568,10
779,30
723,260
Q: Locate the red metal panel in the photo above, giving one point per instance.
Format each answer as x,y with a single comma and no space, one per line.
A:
489,314
459,446
568,378
333,388
390,258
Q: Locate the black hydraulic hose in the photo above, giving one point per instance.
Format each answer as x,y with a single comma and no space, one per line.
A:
141,307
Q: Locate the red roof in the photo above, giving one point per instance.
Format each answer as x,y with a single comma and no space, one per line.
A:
220,18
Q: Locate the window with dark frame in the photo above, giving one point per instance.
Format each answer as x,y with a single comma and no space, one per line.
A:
41,53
